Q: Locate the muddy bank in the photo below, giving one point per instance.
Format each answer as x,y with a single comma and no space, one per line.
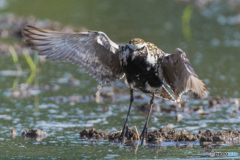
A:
165,135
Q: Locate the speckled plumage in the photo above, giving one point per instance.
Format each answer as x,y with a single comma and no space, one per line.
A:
140,73
144,65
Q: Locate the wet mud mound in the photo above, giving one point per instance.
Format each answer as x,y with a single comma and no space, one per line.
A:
221,136
34,135
93,133
113,136
165,135
116,136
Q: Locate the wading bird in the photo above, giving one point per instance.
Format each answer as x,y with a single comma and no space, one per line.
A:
144,65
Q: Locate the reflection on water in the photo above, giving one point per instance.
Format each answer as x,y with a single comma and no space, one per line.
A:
62,100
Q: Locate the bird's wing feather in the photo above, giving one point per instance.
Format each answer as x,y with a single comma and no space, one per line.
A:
180,76
165,94
92,50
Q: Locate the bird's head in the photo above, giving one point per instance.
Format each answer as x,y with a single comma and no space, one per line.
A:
179,51
136,43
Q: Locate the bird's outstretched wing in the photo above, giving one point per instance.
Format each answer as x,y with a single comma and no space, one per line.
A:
179,74
92,50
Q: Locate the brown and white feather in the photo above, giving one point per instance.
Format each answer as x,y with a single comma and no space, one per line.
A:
165,94
180,76
92,50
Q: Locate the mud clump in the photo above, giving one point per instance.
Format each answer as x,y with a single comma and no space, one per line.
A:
165,135
170,136
172,108
183,135
116,136
113,136
218,101
34,135
221,136
156,136
93,133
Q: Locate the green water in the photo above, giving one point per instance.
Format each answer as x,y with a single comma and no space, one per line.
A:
209,35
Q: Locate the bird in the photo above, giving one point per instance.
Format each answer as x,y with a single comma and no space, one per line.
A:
144,66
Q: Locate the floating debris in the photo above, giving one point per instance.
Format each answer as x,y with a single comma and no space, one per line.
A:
4,49
199,110
26,91
69,80
146,106
13,131
74,98
112,94
104,93
22,93
34,135
171,108
234,113
179,117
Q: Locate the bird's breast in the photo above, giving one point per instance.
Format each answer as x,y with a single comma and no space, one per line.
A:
139,73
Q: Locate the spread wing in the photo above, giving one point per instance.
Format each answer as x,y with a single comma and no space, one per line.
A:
91,50
180,76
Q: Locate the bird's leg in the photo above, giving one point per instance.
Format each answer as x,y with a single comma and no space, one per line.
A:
145,129
125,127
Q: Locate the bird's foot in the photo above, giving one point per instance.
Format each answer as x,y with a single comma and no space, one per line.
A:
125,132
144,134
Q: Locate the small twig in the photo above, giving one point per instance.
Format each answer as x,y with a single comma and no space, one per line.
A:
137,133
136,149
